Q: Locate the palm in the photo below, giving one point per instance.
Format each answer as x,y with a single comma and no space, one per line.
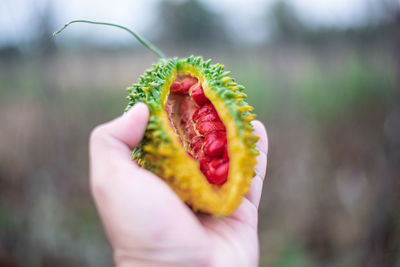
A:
229,240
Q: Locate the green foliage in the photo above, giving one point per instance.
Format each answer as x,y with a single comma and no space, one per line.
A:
191,23
262,90
287,25
292,255
322,93
354,86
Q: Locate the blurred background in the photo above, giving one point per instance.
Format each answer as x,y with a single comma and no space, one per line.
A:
323,77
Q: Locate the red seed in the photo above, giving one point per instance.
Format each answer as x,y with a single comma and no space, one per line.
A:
214,136
175,87
207,163
205,128
216,171
215,148
220,175
212,116
215,163
198,96
208,174
225,156
208,108
187,83
204,162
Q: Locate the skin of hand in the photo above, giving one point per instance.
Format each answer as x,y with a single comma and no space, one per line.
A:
146,222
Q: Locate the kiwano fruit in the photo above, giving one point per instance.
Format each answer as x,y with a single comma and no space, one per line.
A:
199,137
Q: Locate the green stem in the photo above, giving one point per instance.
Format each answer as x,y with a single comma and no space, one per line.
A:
144,42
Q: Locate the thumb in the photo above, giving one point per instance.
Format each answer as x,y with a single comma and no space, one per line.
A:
119,135
130,127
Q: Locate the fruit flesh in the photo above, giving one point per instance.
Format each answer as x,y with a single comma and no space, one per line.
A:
200,130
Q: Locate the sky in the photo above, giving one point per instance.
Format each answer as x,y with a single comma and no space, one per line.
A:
243,17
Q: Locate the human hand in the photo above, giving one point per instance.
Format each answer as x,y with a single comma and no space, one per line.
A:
146,222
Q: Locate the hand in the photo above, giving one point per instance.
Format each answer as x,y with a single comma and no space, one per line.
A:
147,224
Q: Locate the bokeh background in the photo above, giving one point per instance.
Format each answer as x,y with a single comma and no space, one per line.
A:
323,77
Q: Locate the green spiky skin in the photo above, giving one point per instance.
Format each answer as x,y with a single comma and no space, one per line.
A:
158,151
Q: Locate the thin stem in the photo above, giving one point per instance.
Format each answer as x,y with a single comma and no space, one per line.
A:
144,42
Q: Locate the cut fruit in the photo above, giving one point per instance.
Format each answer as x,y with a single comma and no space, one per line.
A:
199,137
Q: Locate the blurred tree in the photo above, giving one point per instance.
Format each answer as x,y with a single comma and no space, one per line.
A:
39,41
9,52
190,22
382,239
44,43
287,25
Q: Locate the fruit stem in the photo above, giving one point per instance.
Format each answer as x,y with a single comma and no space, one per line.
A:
144,42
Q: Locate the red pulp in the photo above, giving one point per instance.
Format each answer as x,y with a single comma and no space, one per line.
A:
200,130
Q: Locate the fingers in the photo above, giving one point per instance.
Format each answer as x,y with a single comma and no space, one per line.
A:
255,191
129,128
121,135
111,143
262,146
261,132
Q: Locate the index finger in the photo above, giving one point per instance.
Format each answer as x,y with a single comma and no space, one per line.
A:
262,146
254,194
